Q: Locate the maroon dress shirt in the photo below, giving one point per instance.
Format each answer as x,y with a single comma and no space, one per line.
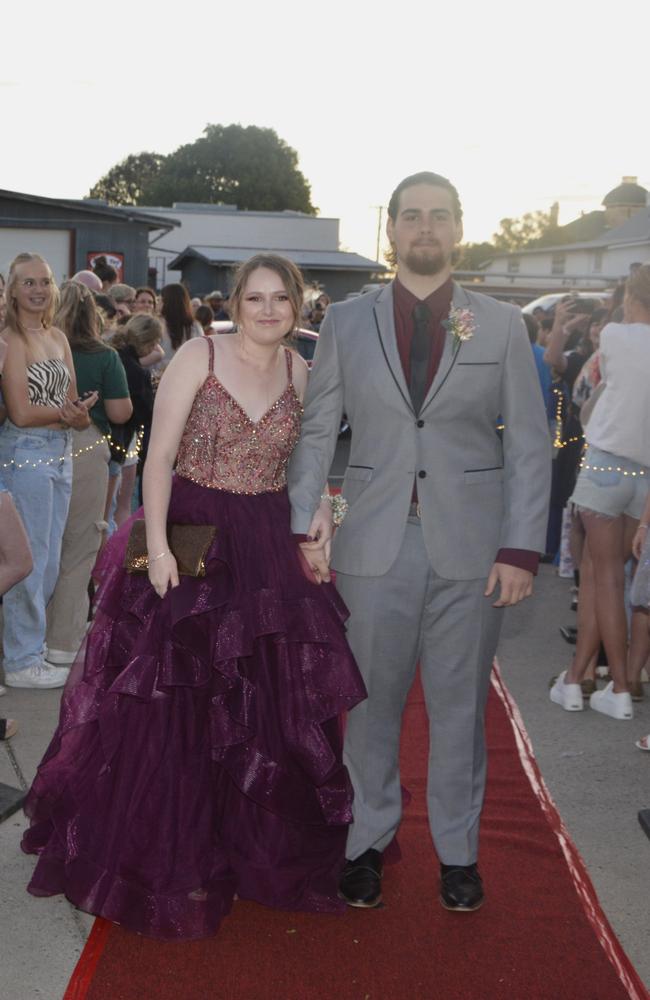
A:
439,305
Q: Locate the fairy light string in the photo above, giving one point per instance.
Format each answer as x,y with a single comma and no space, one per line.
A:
560,443
105,438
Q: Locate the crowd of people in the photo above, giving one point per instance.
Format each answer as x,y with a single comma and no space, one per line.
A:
215,665
593,357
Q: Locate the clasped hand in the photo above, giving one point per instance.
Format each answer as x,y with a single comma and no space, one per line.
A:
75,414
317,550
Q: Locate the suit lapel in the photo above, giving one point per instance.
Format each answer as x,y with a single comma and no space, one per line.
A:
385,323
459,300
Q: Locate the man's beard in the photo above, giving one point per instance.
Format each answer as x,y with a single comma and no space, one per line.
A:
426,260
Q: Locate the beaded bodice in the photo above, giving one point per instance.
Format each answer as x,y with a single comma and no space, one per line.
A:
223,448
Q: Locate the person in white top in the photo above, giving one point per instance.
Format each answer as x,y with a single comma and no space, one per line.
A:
610,495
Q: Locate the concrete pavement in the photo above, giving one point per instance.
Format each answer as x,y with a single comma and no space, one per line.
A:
598,779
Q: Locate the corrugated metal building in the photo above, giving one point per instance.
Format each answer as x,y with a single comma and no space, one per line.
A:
70,232
213,238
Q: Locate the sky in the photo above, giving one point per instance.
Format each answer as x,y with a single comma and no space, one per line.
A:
520,104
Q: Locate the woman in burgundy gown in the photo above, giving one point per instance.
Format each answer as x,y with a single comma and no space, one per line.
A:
198,752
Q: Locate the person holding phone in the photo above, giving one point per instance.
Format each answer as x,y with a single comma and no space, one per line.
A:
42,401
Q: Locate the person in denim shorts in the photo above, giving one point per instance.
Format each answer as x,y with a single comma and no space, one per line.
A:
609,495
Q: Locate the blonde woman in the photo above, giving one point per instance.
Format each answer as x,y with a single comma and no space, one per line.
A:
97,369
40,394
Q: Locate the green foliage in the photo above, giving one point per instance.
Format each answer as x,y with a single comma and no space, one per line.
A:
526,231
249,167
124,183
473,255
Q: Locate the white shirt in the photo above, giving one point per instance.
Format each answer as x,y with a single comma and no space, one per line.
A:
620,422
166,342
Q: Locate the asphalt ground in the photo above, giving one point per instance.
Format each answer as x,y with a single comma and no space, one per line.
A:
597,777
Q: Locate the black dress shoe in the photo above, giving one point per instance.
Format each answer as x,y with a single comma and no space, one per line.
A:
461,888
360,883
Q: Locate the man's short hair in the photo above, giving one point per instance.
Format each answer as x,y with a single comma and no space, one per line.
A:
215,295
425,177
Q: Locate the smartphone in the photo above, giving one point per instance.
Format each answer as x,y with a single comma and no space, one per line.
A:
583,307
85,396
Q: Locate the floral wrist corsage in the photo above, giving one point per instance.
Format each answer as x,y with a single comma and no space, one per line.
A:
339,506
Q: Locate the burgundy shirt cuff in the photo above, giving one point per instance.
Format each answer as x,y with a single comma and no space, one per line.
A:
521,558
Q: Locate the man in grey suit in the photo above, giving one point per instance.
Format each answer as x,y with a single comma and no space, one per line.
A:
447,516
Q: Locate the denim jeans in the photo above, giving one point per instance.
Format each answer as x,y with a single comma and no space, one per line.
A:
38,474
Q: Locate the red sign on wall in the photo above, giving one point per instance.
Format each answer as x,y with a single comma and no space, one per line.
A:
116,260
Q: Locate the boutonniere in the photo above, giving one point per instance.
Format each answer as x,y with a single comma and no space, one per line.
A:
461,324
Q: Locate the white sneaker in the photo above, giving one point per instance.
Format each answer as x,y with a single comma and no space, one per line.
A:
60,657
569,696
39,675
617,706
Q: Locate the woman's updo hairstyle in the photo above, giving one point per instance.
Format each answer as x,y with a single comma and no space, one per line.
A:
104,270
142,331
286,270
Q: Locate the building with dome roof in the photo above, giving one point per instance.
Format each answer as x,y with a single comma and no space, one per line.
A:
624,201
592,252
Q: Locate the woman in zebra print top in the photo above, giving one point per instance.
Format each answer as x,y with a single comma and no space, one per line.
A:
40,395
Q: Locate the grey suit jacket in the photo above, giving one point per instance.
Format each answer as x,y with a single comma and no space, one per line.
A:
478,491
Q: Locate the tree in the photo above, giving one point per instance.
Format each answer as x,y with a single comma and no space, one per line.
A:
124,183
516,234
249,167
472,255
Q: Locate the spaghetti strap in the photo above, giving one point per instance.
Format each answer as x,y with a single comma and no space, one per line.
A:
211,355
289,360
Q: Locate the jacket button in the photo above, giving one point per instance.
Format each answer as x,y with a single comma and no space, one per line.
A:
420,423
422,474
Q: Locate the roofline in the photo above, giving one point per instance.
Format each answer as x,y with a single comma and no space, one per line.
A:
209,209
127,212
189,251
562,248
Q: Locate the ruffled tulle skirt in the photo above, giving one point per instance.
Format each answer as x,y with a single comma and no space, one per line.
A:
198,752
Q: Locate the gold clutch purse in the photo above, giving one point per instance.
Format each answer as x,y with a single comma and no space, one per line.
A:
188,543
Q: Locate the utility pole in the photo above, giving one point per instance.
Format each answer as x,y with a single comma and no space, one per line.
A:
380,209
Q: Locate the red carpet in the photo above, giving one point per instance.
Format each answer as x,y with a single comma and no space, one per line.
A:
540,936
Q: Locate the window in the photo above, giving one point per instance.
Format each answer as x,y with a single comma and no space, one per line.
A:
558,263
598,261
513,265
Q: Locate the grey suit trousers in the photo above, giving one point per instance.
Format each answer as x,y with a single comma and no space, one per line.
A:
408,615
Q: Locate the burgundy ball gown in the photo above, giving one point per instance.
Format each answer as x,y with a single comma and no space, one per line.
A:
198,751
